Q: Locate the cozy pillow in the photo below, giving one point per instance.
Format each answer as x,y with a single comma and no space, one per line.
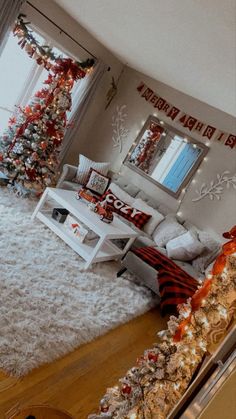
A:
137,217
185,247
168,229
156,217
121,194
212,249
97,182
84,167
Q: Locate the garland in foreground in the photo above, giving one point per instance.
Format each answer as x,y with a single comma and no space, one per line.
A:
153,387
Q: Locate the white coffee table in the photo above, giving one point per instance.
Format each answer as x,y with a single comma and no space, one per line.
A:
104,249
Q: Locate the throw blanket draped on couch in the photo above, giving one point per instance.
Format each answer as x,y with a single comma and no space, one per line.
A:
175,285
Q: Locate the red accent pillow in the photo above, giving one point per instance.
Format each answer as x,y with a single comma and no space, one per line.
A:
135,216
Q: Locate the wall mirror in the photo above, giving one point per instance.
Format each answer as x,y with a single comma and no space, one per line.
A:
165,156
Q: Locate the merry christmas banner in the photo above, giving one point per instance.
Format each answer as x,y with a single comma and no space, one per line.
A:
189,122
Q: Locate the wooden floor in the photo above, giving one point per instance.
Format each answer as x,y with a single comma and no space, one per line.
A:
76,382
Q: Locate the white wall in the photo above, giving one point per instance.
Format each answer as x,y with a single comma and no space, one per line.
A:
212,215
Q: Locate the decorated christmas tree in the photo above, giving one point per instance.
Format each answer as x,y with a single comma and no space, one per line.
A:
30,146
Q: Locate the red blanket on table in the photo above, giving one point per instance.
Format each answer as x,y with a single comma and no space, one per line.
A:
175,285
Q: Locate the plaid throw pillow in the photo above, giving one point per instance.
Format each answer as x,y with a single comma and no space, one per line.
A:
97,182
135,216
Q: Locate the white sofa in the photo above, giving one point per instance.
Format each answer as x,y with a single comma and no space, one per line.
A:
143,273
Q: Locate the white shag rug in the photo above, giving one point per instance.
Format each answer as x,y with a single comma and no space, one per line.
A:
49,304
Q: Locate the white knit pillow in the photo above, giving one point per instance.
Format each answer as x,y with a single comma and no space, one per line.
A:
168,229
84,167
156,217
185,247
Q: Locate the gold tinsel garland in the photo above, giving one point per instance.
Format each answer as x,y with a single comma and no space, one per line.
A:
153,387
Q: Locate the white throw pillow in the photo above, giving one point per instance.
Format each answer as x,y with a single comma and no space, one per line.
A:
168,229
212,249
84,167
122,195
185,247
156,217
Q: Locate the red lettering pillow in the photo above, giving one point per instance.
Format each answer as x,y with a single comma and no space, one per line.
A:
135,216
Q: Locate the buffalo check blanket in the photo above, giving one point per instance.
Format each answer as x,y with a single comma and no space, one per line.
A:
175,285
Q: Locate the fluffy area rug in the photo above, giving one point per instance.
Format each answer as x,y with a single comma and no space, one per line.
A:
49,304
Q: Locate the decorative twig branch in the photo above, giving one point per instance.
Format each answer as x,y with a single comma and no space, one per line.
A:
216,188
118,123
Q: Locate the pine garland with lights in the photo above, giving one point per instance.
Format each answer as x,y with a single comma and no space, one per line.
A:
43,54
30,147
153,387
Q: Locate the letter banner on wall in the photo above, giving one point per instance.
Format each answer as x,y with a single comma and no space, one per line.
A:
207,132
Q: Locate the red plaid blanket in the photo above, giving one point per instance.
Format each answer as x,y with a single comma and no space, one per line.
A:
175,285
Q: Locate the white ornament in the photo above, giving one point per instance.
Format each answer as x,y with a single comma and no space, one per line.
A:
118,123
216,188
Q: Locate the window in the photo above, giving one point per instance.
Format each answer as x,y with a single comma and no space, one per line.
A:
20,77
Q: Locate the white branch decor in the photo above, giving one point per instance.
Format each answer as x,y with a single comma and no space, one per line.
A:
118,123
216,188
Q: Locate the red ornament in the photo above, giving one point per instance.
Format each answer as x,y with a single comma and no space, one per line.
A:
152,357
126,389
1,157
104,408
43,145
31,173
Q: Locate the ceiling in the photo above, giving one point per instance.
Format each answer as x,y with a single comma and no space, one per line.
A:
187,44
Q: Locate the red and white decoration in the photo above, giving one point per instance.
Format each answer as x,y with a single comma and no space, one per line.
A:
189,122
135,216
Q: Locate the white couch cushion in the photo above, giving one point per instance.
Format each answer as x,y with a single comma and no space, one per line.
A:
185,247
156,217
168,229
124,196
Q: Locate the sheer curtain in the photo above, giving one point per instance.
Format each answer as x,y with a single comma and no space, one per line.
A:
81,100
9,10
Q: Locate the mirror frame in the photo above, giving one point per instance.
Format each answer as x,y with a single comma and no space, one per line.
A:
167,128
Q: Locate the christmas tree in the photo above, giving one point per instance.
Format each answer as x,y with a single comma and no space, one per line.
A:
30,146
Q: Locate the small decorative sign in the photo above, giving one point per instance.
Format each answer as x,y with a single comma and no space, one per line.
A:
187,121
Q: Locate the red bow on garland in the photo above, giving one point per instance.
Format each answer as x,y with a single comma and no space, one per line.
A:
68,67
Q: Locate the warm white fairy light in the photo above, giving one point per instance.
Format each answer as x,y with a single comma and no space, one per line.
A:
223,312
162,122
189,333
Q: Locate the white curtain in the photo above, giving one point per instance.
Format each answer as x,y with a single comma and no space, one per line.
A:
9,10
81,100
